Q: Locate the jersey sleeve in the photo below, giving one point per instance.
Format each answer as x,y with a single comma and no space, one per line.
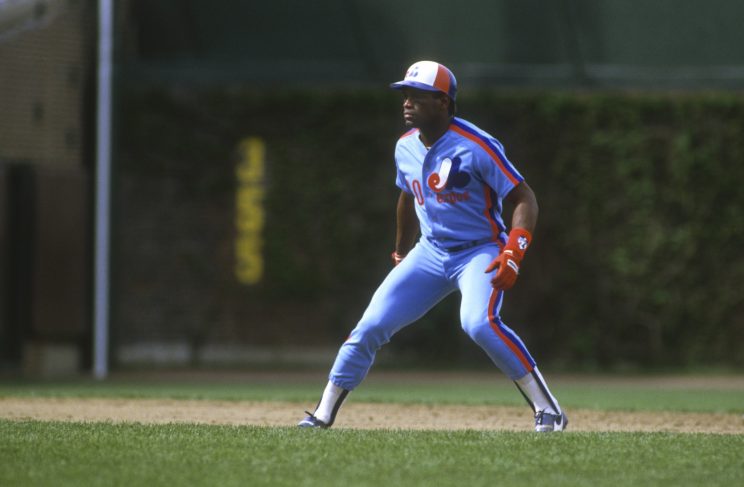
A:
496,170
401,182
400,178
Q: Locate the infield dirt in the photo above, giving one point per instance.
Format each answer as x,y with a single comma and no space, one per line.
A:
353,415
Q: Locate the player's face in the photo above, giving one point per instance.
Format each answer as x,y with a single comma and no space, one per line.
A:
422,108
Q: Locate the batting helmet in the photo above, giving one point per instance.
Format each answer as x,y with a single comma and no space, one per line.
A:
429,76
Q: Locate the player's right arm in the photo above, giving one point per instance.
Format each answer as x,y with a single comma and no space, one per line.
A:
407,226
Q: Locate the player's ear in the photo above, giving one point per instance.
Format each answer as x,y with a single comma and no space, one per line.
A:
445,101
450,106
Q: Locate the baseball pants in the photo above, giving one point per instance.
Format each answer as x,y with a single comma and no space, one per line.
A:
425,277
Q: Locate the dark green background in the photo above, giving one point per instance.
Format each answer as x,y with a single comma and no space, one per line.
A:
636,260
327,43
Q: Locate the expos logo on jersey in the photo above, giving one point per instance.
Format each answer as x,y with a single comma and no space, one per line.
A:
449,176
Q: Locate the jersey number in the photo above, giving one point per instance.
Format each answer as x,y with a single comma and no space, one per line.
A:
418,192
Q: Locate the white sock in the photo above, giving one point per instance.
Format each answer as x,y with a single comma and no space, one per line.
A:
534,387
333,397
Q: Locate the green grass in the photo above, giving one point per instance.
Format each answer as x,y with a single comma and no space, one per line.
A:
35,453
58,453
478,391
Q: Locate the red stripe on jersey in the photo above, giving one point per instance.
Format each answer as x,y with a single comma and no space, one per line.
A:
409,133
488,150
495,231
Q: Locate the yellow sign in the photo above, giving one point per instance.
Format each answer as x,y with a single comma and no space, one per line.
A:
249,210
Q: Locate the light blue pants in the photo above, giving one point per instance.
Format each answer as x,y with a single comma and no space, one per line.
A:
412,288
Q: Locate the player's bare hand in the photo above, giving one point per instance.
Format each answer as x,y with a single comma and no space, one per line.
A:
397,258
506,266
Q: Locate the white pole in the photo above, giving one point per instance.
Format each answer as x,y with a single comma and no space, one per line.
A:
103,188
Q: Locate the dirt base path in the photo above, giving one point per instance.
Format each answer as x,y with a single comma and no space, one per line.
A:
354,415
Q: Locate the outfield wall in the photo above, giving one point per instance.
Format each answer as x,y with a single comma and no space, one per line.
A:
636,257
254,195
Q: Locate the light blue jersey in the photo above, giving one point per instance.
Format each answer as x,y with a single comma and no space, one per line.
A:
458,183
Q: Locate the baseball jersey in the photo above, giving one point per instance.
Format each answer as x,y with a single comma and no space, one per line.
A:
458,184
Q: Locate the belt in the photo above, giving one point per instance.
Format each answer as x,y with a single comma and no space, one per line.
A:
466,245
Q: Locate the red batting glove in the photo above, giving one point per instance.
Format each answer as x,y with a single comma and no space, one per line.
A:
507,263
397,258
507,269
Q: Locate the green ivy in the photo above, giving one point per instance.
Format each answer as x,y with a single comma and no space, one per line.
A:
637,257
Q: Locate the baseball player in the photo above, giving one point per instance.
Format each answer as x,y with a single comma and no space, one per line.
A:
453,178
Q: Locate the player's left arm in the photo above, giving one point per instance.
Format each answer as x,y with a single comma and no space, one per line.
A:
524,202
524,220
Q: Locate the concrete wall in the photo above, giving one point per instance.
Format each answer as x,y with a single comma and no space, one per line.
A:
45,146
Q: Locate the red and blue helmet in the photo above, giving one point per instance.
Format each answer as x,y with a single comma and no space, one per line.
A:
429,76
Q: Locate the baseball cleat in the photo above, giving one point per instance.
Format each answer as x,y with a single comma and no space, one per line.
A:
547,422
312,422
